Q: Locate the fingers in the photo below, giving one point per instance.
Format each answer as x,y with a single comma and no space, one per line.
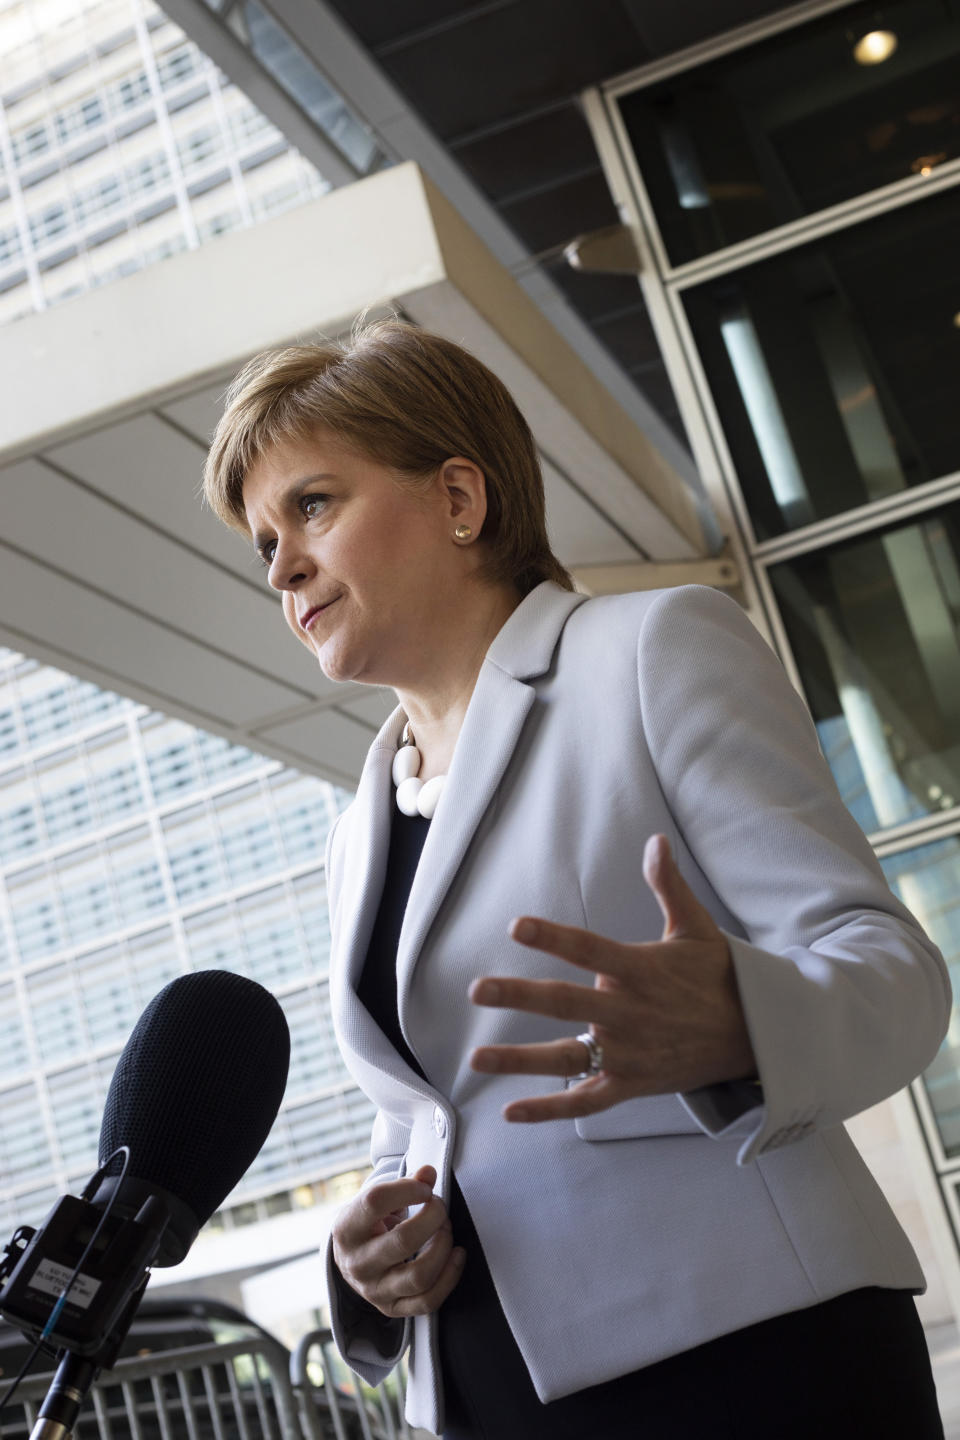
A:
682,912
553,1057
421,1287
404,1264
577,947
369,1212
560,999
590,1096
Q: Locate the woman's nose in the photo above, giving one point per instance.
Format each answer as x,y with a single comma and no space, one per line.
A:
290,566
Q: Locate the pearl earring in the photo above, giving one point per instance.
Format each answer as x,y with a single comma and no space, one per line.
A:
463,532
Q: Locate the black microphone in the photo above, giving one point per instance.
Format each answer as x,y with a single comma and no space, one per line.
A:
193,1097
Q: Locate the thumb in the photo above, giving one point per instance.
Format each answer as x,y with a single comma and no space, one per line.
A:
682,912
426,1175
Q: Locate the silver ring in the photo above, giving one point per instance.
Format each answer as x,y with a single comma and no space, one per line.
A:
594,1055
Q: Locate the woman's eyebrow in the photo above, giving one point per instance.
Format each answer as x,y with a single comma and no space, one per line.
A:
289,499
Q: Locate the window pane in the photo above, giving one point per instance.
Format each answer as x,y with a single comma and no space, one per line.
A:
834,380
747,142
927,880
873,624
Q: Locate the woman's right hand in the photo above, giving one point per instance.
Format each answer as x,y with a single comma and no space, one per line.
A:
402,1264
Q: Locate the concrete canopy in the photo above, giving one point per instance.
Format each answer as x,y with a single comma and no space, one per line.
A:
109,567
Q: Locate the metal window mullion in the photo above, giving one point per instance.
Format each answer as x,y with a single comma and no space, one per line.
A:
719,45
778,241
924,830
212,75
944,1166
173,912
860,521
37,296
706,440
166,129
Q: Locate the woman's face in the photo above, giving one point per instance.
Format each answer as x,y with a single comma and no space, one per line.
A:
365,566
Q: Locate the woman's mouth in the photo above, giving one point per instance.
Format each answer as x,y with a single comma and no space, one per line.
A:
312,614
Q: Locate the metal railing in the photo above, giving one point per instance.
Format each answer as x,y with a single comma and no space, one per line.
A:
235,1391
248,1389
326,1400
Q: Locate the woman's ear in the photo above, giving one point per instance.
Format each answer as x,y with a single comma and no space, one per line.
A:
463,488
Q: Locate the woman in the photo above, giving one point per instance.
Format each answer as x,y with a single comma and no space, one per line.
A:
611,1190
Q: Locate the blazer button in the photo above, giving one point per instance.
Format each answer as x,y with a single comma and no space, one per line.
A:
439,1122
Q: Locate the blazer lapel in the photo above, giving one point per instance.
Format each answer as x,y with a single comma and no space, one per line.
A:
498,708
365,864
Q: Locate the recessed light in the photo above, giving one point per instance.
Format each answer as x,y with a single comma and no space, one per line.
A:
875,47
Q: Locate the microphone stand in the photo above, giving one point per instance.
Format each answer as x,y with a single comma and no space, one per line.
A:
76,1373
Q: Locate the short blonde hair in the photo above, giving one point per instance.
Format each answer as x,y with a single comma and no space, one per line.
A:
408,400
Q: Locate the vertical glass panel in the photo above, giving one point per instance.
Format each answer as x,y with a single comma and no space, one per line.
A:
154,960
301,79
304,809
135,872
247,835
56,1014
213,940
114,779
89,905
14,1052
873,625
314,1058
76,1102
272,937
194,854
748,142
172,759
834,380
24,1152
109,1004
65,795
927,880
20,830
36,917
311,897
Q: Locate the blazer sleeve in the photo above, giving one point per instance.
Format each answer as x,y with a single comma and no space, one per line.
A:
371,1343
845,997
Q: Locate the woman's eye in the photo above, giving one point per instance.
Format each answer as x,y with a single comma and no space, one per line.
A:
267,552
311,505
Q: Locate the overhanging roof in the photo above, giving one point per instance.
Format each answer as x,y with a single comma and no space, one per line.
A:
108,566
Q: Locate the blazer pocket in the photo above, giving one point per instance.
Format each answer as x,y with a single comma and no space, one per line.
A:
635,1119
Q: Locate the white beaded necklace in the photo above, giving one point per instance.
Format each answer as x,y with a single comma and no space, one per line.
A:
414,796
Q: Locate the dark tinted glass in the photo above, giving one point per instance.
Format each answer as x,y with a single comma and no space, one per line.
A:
794,124
874,625
927,880
836,366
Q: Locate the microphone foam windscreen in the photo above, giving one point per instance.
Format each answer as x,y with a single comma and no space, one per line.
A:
198,1086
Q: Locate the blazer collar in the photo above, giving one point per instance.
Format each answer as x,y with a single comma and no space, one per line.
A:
501,701
522,650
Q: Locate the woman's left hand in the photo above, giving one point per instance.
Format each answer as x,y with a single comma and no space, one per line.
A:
667,1013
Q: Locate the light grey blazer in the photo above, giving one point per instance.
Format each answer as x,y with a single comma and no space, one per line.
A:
621,1239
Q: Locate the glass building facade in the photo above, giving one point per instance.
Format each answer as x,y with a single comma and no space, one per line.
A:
134,848
797,191
122,143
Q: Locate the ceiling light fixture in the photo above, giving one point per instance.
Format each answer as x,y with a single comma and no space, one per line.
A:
875,47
